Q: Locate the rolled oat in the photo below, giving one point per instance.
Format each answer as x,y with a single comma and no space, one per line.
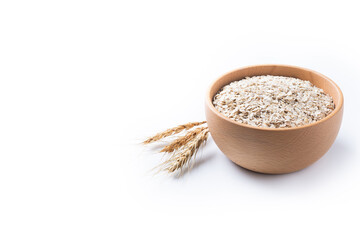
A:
273,102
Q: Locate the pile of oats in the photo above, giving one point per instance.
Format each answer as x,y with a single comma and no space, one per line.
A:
273,102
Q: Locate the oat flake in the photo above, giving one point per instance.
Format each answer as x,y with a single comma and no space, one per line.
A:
273,102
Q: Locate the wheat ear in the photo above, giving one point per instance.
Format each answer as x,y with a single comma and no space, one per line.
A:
172,131
182,140
185,153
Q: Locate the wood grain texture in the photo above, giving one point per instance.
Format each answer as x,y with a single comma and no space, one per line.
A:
268,150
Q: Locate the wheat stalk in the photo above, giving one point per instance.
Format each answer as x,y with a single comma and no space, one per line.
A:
172,131
185,153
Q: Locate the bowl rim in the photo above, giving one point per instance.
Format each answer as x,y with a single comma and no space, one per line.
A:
210,105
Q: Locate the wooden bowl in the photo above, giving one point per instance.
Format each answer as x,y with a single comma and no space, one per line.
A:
274,150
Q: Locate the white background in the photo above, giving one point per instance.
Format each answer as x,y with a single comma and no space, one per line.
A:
83,82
